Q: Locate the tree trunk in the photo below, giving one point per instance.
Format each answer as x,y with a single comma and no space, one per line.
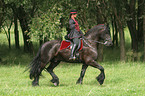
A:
144,31
115,35
9,35
113,31
122,44
140,20
131,23
40,40
144,37
122,39
121,34
16,32
17,45
134,41
2,13
25,29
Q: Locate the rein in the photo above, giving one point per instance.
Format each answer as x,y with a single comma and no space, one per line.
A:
87,43
95,41
98,42
92,41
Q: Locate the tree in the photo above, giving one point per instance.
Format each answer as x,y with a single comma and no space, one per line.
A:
7,22
140,13
24,21
23,11
16,31
144,37
46,24
114,30
119,15
1,13
144,31
7,28
102,18
47,19
134,11
131,22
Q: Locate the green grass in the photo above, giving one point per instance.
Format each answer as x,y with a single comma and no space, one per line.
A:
122,79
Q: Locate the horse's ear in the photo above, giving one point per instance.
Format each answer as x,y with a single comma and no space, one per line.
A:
108,28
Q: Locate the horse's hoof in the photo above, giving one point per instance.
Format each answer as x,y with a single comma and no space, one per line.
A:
35,84
55,84
79,81
101,81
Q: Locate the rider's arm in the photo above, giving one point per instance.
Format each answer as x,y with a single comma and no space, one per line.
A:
71,24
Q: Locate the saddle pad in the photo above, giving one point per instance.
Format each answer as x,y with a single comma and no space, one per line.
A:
66,44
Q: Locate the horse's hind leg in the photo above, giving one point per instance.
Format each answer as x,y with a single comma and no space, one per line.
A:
55,79
84,67
35,82
38,73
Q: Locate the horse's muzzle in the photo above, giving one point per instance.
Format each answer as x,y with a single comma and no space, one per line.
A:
108,43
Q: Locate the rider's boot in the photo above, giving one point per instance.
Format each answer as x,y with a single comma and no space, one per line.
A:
72,56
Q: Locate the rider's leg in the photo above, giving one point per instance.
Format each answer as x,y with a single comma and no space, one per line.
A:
74,47
72,56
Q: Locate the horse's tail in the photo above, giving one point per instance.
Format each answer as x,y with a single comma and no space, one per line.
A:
49,50
35,65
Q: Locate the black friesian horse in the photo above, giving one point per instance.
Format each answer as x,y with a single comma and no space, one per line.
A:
49,53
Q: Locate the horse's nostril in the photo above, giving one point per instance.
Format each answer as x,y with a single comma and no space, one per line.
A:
111,44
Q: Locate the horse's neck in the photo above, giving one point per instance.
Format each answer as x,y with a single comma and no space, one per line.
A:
91,42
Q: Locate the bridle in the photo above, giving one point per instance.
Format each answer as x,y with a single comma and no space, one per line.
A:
103,43
87,41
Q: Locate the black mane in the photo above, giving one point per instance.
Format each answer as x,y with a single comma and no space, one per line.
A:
95,29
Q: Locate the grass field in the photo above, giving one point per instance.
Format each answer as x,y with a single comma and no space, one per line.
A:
122,79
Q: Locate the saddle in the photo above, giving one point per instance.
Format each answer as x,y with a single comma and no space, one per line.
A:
67,44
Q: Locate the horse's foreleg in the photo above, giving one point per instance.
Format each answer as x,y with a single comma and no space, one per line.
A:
101,76
84,67
55,79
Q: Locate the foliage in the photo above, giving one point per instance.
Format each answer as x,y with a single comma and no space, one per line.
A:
47,19
47,25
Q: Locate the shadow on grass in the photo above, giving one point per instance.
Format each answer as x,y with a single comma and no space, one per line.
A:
14,56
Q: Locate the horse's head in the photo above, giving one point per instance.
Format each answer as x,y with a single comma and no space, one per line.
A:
104,34
100,32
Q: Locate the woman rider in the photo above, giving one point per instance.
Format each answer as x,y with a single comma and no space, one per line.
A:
74,34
